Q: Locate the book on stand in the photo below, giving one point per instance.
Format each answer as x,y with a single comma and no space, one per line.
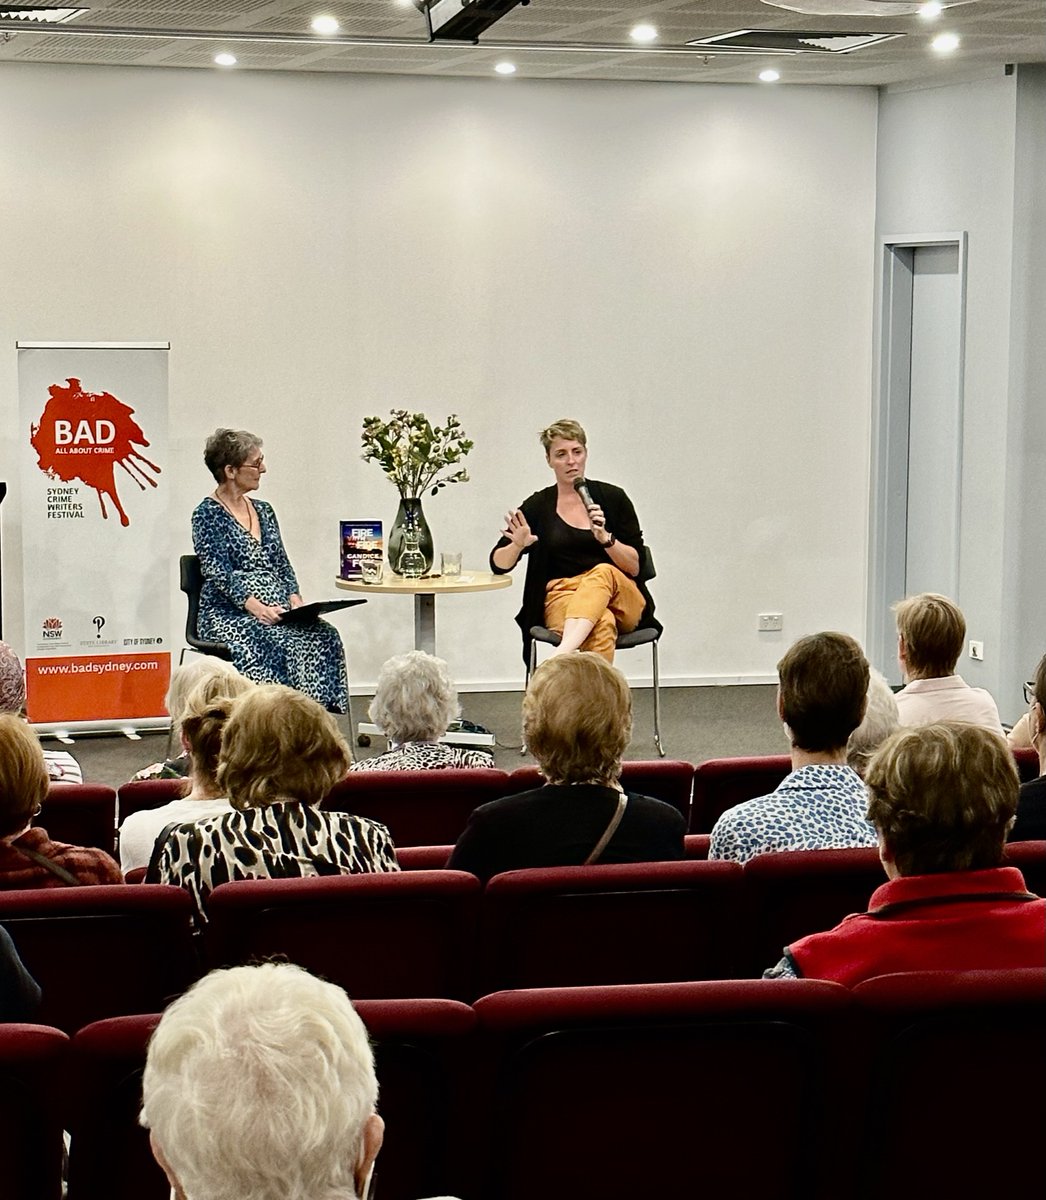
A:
360,540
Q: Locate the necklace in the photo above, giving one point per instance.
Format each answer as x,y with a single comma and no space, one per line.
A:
251,515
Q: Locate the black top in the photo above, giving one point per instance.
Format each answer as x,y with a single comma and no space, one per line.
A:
558,825
544,557
1031,812
19,992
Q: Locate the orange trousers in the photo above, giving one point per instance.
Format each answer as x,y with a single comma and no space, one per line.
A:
605,596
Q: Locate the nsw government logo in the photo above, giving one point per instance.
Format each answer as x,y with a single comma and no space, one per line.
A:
52,629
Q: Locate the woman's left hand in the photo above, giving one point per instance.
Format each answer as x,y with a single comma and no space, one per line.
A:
295,601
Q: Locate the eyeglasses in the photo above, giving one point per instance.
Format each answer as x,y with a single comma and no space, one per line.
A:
1029,692
254,466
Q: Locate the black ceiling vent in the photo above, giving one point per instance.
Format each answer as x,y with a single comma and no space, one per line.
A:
794,41
42,14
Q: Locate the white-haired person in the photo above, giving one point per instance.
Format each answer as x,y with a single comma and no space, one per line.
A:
259,1084
931,633
414,702
185,679
577,721
203,718
880,720
61,766
281,753
942,798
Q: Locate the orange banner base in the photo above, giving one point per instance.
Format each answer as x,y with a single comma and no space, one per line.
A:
96,687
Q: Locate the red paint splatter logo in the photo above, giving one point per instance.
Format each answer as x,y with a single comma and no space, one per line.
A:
85,436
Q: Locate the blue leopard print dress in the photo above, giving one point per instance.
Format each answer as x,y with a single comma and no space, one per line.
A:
235,565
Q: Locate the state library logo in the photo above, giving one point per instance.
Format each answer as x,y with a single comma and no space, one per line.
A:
84,435
51,630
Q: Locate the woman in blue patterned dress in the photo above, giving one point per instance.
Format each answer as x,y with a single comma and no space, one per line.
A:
249,581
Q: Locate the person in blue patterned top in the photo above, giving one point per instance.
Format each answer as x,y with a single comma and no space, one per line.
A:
822,804
249,581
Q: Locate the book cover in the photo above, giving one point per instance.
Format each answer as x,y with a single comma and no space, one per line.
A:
359,540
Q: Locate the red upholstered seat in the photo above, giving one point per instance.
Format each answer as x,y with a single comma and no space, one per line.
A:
696,845
103,951
1027,760
392,934
635,922
33,1067
673,1090
423,858
147,793
720,783
670,780
420,808
82,814
797,892
1030,858
956,1066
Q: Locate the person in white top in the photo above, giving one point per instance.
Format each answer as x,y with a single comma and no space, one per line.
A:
206,709
931,632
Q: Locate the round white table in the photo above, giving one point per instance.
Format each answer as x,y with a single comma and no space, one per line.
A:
425,590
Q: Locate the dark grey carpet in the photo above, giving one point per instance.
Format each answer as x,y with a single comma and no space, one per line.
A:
696,724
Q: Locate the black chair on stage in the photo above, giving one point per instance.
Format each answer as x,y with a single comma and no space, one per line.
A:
191,583
643,636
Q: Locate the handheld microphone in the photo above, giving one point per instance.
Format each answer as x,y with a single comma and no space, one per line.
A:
581,487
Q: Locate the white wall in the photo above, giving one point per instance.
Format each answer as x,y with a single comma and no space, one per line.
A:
686,269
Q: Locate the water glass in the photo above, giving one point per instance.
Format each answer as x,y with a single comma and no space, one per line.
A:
450,564
372,570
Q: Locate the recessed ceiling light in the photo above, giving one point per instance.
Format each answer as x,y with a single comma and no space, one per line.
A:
644,33
930,10
505,68
49,16
225,59
945,43
769,75
325,24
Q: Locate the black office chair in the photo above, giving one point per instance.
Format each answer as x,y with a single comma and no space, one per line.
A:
625,641
191,584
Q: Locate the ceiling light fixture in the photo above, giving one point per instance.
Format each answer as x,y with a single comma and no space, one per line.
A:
48,16
505,68
930,10
769,75
325,24
945,43
644,33
225,59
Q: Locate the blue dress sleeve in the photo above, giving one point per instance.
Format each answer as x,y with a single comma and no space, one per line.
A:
281,564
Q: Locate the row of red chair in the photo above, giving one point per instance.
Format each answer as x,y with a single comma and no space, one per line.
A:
909,1086
429,808
107,951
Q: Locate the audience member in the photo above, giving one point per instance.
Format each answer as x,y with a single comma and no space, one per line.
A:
414,702
942,799
28,857
1030,825
19,991
931,633
61,766
281,753
821,698
880,720
259,1084
185,678
203,718
577,722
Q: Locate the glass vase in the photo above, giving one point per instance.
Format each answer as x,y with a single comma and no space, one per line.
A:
410,513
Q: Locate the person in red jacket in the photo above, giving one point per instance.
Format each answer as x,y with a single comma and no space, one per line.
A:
942,799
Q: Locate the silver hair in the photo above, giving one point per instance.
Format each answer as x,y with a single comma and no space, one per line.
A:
187,677
258,1085
415,699
228,448
881,718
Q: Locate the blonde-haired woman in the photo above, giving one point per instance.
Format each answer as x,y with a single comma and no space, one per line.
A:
584,560
280,755
577,721
28,857
202,718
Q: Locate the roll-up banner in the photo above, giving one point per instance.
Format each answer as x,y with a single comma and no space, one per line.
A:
93,445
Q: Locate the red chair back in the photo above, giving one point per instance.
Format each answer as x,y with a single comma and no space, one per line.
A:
33,1066
420,808
1030,858
103,951
665,779
1027,760
628,923
382,936
147,793
82,814
655,1090
423,858
720,783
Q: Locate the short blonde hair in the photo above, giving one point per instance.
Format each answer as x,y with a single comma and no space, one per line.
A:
943,797
577,718
186,678
203,720
934,630
415,699
881,718
23,774
566,429
279,745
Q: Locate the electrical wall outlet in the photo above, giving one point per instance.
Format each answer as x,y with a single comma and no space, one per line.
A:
770,623
977,651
